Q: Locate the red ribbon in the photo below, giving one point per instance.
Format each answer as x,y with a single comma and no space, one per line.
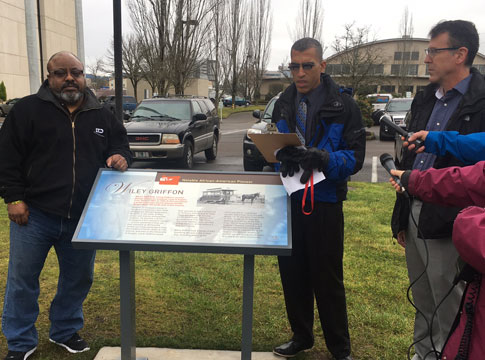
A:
303,201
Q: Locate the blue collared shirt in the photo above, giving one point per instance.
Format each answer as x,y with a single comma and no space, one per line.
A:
445,106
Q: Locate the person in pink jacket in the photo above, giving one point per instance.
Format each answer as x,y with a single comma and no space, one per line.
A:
459,187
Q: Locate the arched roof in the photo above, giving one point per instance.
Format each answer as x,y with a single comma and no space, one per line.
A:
386,41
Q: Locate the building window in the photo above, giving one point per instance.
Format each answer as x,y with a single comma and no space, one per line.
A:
388,89
415,55
398,55
395,69
412,69
481,68
406,55
330,69
404,89
427,70
376,69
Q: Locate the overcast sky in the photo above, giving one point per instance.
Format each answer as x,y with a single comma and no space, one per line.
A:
383,17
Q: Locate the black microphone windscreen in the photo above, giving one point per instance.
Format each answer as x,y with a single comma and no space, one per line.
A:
386,157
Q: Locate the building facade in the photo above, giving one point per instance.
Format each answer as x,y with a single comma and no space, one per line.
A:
397,66
30,32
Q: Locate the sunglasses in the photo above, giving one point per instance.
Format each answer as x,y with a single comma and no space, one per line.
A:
61,74
306,66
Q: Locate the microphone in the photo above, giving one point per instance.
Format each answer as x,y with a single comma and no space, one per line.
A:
386,119
387,163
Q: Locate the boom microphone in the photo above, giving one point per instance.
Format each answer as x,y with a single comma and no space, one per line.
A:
387,163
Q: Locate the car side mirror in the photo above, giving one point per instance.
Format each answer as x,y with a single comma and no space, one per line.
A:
198,117
257,114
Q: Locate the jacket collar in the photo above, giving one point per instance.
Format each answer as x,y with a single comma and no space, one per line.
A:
90,102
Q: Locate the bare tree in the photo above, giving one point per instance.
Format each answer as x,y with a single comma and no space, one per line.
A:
360,64
189,23
405,49
259,29
309,21
97,70
150,20
216,46
131,60
236,14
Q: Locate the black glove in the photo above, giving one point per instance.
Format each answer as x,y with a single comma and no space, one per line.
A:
313,158
290,158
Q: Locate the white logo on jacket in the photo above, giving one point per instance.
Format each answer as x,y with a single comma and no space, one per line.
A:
99,132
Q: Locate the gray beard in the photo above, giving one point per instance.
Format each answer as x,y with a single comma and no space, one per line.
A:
69,97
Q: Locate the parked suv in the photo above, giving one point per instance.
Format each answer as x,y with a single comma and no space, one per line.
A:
174,128
396,109
253,160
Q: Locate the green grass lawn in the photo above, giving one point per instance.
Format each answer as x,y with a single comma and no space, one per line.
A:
195,300
226,111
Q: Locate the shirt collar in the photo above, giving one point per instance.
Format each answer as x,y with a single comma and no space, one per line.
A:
310,96
461,87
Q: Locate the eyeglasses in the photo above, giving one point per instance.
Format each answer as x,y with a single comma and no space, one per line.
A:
306,66
433,51
61,74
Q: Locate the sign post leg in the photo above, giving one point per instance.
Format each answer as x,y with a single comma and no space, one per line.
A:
127,305
247,318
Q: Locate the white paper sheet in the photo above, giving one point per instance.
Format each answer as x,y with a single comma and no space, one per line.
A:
292,183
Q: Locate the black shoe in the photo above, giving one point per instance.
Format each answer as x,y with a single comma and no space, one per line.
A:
74,345
19,355
291,348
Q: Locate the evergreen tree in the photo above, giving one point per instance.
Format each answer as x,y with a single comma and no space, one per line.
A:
3,92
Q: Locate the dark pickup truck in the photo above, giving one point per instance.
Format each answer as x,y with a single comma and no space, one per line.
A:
129,103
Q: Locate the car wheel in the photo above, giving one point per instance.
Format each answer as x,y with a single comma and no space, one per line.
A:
252,166
188,159
211,153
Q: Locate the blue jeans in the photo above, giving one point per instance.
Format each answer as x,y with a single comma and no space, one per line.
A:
29,246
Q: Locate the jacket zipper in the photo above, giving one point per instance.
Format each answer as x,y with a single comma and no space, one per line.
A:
73,164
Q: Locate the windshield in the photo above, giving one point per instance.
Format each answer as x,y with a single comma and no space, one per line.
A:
166,110
401,106
268,112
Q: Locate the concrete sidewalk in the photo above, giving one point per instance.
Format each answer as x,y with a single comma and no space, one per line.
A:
114,353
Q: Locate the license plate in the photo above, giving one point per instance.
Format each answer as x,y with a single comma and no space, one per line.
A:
142,154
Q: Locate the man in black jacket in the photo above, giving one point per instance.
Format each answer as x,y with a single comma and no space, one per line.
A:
454,101
329,123
51,147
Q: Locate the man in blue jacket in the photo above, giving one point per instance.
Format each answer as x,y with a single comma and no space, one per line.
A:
52,145
329,124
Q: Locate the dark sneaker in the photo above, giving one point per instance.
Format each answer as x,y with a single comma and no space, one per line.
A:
19,355
74,345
